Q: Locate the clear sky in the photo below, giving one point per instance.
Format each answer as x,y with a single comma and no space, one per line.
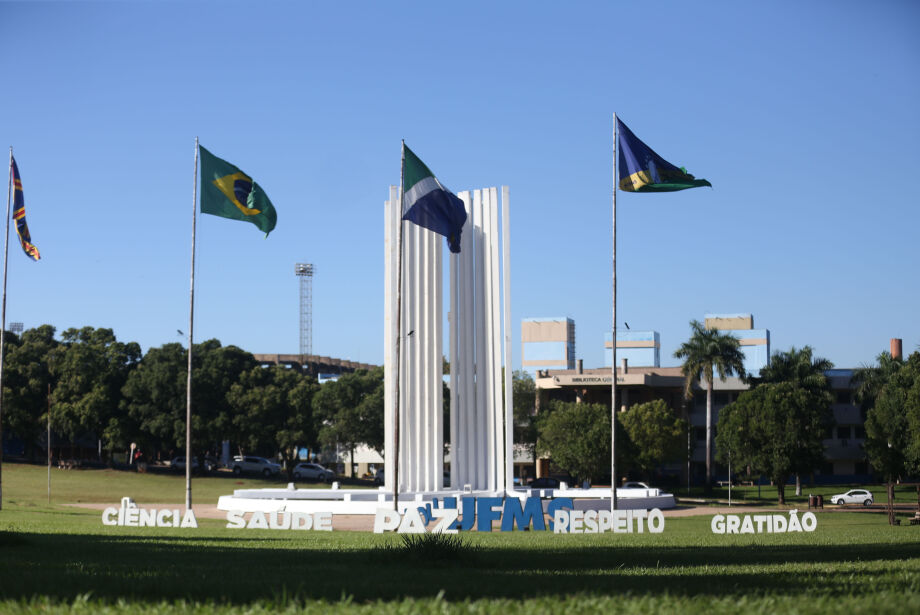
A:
803,115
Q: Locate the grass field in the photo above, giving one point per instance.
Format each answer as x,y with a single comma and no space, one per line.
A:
62,559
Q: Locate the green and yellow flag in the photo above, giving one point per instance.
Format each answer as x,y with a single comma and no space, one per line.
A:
229,193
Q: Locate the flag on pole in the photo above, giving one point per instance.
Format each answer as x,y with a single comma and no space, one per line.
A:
642,170
229,193
428,203
19,215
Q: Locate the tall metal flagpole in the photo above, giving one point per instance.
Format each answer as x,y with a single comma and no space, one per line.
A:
399,275
191,325
6,252
49,442
613,340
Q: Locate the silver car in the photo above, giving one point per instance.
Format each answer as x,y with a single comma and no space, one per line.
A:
853,496
313,471
254,465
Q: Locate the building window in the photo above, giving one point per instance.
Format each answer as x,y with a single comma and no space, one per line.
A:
843,432
721,398
860,432
861,467
700,433
843,397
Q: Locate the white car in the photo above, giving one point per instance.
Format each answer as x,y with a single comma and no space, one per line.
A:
634,485
254,465
853,496
313,471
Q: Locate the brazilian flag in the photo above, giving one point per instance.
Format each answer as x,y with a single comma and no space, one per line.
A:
229,193
642,170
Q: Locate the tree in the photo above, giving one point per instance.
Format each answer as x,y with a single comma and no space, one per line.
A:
215,369
775,429
272,411
154,401
890,394
706,352
524,395
577,438
349,411
90,367
26,380
154,396
802,369
657,435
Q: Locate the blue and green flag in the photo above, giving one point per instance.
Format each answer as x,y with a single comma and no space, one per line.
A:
642,170
229,193
428,203
19,216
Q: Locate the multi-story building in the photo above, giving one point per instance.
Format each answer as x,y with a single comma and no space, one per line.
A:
547,343
640,379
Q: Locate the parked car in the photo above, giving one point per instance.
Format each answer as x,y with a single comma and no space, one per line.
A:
313,471
634,485
544,483
853,496
178,464
254,465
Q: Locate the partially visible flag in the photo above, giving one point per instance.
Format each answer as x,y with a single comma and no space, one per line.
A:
428,203
642,170
19,215
229,193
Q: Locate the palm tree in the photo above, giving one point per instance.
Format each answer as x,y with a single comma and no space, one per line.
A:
800,367
707,351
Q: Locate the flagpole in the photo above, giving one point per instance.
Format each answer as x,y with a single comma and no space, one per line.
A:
191,325
6,252
613,340
399,275
49,442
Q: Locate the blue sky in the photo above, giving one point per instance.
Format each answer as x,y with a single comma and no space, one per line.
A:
803,115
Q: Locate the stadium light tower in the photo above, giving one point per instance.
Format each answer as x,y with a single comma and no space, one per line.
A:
304,271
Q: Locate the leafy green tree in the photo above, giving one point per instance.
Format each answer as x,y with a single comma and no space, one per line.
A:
349,411
775,429
577,438
912,405
25,383
215,369
658,436
706,352
272,411
890,393
154,397
90,367
524,396
802,369
154,401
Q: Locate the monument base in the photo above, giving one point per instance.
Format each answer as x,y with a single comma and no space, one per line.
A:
368,501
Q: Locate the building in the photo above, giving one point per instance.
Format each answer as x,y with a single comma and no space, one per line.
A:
755,343
639,348
547,343
640,378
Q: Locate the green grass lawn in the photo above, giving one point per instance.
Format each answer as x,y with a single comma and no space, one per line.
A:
62,559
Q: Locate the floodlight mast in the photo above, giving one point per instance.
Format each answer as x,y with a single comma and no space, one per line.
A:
305,272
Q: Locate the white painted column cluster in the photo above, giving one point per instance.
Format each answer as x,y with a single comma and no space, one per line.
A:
421,439
479,449
480,443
